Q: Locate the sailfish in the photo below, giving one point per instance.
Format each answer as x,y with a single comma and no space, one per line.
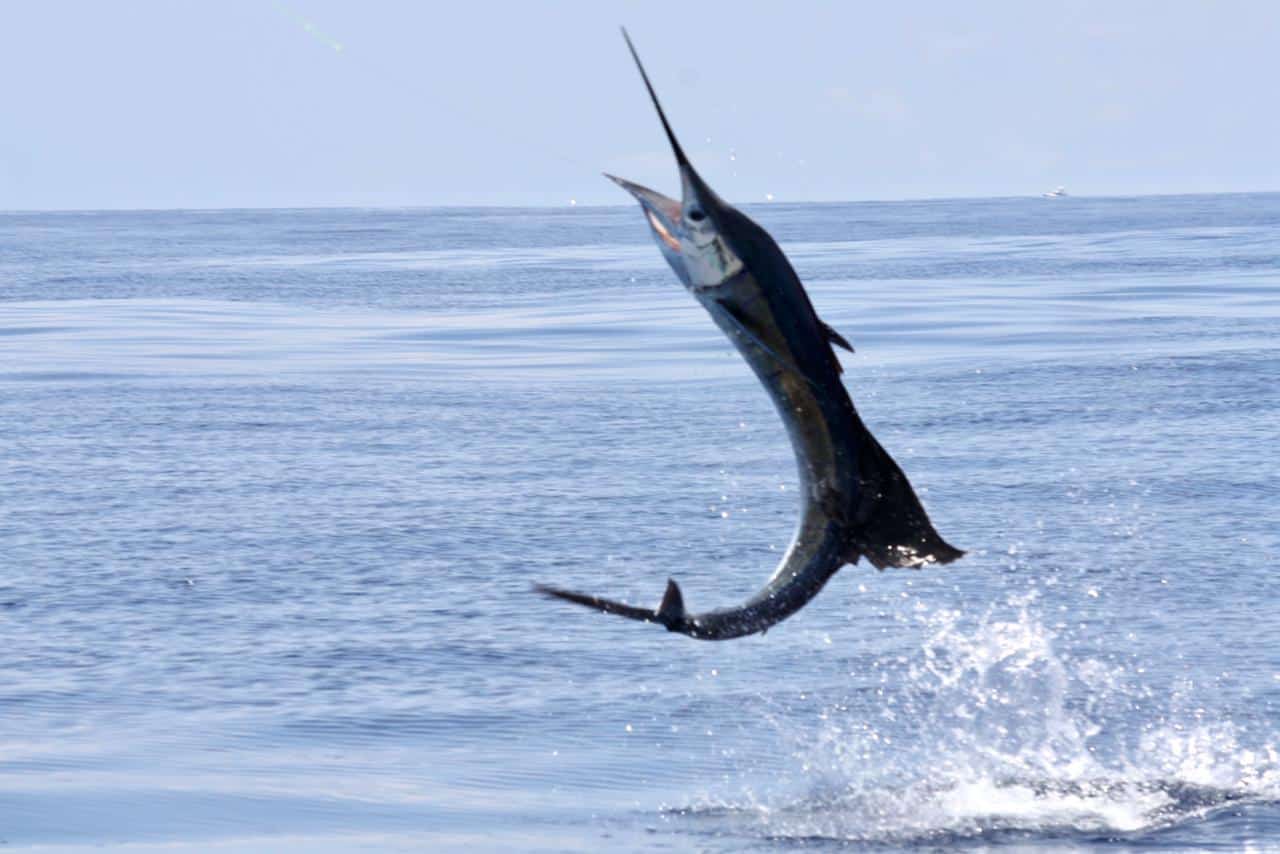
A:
856,502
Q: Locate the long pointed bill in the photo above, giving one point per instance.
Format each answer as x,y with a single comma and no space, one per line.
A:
692,187
687,231
675,144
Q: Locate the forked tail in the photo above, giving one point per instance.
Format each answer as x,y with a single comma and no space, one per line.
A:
670,612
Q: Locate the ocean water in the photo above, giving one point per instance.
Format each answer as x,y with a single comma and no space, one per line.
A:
275,485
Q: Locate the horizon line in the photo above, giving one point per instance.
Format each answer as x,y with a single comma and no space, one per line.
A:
575,206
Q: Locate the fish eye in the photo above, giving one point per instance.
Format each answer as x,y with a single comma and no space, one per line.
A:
696,215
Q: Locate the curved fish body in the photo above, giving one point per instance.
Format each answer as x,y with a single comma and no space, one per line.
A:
856,502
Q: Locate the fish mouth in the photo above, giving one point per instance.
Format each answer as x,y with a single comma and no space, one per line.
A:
665,208
662,211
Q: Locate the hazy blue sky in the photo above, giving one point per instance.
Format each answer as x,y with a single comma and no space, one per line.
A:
238,103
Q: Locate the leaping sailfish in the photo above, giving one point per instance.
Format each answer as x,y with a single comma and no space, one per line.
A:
856,502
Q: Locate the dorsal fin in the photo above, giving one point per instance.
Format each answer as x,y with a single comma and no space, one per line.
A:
889,526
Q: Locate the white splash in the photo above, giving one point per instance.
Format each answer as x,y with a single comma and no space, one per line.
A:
1010,735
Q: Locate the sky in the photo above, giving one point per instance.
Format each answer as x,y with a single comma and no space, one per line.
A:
290,103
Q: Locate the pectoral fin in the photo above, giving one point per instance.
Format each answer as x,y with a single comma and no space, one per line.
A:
835,337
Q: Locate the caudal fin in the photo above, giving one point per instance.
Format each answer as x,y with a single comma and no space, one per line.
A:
890,527
669,613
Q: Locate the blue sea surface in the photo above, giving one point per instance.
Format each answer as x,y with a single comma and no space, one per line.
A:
275,485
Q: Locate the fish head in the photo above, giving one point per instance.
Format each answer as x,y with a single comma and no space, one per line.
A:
687,235
687,231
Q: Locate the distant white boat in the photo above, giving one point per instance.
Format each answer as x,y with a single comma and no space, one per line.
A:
1055,194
